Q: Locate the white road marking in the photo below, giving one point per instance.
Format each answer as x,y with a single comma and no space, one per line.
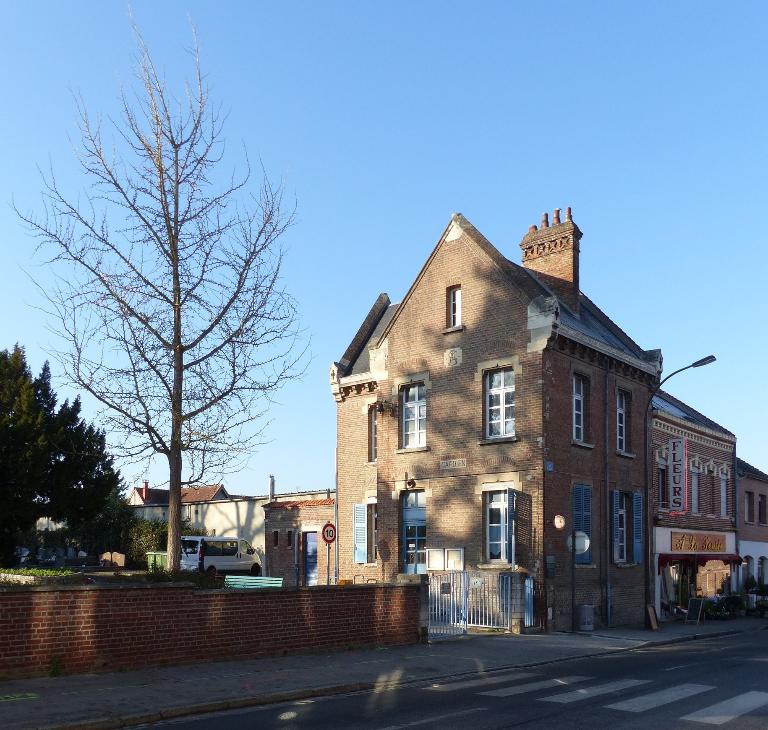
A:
679,666
729,710
662,697
599,689
521,689
492,679
436,718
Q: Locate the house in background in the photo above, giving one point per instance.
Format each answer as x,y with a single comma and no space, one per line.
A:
694,522
488,414
753,522
213,510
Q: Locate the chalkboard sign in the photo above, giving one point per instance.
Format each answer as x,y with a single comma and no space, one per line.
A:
695,608
653,619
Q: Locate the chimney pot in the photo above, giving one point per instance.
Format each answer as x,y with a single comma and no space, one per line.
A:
271,488
545,220
568,213
533,228
556,217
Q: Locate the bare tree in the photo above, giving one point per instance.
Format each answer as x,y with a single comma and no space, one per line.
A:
170,302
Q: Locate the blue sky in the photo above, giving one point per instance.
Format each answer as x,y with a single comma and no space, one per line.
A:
383,119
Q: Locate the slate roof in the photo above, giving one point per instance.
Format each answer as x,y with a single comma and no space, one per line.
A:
746,469
591,321
667,403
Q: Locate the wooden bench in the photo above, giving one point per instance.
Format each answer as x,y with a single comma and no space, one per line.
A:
251,582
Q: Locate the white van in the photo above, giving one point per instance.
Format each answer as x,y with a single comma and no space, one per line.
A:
220,554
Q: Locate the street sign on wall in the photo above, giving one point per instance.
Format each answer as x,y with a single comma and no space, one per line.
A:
677,474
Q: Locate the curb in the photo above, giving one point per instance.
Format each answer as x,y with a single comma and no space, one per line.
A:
115,723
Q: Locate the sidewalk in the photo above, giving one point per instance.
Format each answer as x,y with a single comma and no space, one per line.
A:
122,699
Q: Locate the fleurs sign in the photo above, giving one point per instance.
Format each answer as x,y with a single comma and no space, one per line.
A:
692,542
677,471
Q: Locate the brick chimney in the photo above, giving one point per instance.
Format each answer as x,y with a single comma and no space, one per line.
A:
145,491
552,252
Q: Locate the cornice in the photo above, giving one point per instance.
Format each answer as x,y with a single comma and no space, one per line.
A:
700,434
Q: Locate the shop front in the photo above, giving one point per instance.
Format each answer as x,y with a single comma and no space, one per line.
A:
692,564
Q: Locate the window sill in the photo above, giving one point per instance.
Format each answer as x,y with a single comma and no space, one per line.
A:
496,565
626,454
457,328
625,565
412,450
582,444
499,440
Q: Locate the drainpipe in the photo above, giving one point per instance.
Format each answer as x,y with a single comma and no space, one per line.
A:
736,516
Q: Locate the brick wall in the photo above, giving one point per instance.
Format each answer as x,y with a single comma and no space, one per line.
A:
85,629
285,551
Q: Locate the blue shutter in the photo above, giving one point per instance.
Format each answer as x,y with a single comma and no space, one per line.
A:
360,533
637,527
615,522
582,517
511,505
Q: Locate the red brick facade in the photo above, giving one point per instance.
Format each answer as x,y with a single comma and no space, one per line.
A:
508,321
289,527
108,629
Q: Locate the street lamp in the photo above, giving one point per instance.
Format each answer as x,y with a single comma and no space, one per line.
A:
647,522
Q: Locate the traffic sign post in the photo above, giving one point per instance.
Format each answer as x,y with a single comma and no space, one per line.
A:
329,537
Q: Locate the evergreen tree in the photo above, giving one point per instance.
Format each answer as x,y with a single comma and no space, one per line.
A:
53,463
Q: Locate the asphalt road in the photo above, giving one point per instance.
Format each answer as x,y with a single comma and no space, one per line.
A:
716,682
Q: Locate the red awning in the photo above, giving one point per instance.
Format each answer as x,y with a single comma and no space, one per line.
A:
700,558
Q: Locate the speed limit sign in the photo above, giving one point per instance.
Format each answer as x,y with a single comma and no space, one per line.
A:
329,532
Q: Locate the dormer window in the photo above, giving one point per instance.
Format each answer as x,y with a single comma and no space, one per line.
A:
453,306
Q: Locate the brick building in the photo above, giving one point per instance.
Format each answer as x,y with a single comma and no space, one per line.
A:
295,550
488,414
753,522
694,503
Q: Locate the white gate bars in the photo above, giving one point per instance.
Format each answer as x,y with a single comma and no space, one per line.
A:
489,600
447,604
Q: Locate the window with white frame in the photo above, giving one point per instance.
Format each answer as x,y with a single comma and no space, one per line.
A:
496,526
622,421
579,408
372,528
500,403
621,529
694,479
453,302
723,496
365,532
372,433
414,401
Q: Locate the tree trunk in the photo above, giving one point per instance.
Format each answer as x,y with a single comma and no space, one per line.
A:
174,511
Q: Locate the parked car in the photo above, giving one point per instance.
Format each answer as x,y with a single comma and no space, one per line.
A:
22,555
218,554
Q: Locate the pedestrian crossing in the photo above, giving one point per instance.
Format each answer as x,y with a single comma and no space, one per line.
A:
645,696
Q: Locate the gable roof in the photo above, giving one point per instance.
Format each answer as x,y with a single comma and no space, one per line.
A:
667,403
591,322
189,495
747,470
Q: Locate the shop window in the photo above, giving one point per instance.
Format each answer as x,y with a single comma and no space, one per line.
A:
582,518
414,419
500,403
627,522
749,506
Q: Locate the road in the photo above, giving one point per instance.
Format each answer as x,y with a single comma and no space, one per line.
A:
715,682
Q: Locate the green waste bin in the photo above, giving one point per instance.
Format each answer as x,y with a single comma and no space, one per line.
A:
157,561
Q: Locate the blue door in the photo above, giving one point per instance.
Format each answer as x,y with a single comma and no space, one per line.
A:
414,506
310,558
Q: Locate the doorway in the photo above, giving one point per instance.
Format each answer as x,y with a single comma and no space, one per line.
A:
309,545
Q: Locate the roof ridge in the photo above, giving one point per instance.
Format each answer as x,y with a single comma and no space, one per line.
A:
695,413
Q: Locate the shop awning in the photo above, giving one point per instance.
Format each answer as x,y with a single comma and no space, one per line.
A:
700,558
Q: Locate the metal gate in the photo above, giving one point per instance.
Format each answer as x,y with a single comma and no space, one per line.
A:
462,599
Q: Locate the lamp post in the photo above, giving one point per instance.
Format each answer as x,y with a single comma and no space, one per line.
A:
648,517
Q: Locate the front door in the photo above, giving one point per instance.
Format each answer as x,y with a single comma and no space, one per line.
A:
414,506
310,558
